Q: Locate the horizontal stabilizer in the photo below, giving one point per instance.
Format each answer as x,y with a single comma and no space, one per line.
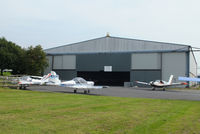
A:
189,79
140,82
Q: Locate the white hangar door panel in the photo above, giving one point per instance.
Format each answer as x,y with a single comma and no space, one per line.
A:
174,63
49,68
58,62
145,61
67,62
145,67
193,66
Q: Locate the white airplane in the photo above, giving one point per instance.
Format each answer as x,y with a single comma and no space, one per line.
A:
52,78
161,83
26,81
48,79
79,83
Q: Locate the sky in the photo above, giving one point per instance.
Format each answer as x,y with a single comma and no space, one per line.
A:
52,23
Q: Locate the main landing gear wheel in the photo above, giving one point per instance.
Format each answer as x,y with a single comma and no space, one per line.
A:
74,91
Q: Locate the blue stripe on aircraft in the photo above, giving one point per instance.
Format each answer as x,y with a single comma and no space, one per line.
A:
188,79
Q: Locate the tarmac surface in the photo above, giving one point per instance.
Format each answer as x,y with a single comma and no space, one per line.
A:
175,94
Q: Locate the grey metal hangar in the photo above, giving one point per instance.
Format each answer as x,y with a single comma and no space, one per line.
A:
116,61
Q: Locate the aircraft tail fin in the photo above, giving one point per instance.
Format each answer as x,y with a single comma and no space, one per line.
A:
45,77
170,79
52,77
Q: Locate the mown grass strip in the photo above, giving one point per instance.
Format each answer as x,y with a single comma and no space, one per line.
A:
38,112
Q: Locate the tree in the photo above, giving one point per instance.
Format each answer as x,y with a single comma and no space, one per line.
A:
20,67
22,61
9,54
35,60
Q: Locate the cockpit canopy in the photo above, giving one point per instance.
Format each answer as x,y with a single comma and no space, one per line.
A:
80,80
161,81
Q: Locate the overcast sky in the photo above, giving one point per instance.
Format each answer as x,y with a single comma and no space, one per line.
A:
58,22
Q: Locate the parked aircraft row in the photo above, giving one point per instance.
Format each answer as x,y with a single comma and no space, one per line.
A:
53,79
79,83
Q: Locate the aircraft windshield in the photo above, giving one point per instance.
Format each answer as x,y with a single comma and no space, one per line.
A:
160,81
79,80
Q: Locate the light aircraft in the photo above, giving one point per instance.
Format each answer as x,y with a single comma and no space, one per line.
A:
161,83
52,79
79,83
48,79
26,81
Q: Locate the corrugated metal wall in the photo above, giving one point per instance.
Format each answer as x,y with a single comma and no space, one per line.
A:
145,67
49,68
69,62
64,62
152,66
193,65
174,63
193,68
146,61
58,62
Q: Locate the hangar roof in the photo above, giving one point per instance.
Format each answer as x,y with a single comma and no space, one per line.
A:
110,44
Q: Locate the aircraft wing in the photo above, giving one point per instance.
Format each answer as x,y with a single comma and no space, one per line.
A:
82,86
85,87
140,82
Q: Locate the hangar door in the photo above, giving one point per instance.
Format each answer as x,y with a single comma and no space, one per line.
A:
145,67
106,78
93,67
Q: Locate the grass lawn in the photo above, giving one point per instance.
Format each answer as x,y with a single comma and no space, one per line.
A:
25,112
